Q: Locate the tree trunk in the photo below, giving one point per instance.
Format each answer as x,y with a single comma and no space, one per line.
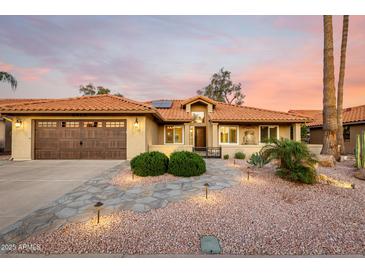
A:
329,92
341,79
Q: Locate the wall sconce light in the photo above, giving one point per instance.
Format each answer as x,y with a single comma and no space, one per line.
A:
206,190
98,205
18,123
136,124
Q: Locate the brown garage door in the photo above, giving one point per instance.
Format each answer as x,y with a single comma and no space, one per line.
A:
80,139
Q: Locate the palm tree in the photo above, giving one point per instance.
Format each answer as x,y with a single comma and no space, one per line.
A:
341,79
329,92
7,77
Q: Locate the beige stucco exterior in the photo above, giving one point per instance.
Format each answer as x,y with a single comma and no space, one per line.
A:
138,139
150,134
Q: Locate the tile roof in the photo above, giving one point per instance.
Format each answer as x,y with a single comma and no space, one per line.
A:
98,103
197,98
227,112
223,112
7,101
350,115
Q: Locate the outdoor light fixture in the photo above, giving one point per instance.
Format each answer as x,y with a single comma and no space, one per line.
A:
98,205
18,123
206,190
136,124
248,173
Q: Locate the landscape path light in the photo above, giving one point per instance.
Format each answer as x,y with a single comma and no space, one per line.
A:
248,173
98,206
206,190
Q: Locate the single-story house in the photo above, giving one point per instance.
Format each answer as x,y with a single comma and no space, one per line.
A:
353,124
112,127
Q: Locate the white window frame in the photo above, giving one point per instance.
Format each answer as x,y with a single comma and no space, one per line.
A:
173,135
237,135
277,132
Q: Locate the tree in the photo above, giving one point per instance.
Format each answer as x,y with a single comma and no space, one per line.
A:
341,79
118,94
90,89
329,92
222,89
7,77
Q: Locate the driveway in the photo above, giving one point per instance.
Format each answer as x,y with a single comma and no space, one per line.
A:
28,185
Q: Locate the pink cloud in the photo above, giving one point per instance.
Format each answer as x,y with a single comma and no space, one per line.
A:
25,73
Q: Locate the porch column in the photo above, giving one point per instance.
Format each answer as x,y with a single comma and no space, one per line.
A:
215,134
297,132
186,133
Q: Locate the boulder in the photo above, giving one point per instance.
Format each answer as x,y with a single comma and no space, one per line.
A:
326,160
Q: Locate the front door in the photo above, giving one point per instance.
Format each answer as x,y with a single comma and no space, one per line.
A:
200,137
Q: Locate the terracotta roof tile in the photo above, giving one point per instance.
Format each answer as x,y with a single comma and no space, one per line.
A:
8,101
350,115
98,103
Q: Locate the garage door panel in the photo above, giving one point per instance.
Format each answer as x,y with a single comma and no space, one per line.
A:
80,139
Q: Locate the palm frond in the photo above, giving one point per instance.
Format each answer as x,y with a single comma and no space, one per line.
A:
7,77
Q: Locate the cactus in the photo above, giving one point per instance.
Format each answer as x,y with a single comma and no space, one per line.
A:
360,150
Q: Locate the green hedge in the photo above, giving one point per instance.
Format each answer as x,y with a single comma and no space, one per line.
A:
240,155
150,164
186,164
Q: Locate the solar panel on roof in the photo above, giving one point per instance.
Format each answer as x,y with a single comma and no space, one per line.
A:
162,104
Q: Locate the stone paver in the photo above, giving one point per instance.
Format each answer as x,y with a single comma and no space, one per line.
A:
78,204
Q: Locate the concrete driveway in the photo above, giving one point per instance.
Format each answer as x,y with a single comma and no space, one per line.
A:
28,185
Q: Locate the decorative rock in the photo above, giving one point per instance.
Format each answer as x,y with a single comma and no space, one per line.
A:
326,160
210,245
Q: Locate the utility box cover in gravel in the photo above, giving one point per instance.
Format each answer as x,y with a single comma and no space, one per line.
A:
210,245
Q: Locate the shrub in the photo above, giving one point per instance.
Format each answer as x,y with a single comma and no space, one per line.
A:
226,157
186,164
296,161
150,164
239,155
258,160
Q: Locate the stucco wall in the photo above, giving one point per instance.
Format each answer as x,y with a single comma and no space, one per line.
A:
247,149
22,138
316,149
151,131
168,149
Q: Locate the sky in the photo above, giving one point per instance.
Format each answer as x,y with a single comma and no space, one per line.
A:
277,59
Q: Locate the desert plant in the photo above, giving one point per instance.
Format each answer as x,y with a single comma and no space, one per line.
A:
296,161
360,150
186,164
150,164
240,155
226,157
258,160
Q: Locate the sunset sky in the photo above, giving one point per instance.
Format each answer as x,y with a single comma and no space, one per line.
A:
278,59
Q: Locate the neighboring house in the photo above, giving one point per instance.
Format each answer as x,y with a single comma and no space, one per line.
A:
111,127
353,124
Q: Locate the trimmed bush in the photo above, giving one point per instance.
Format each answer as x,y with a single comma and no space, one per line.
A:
186,164
239,155
226,157
150,164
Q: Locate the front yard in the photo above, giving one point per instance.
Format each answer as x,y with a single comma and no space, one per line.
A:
264,215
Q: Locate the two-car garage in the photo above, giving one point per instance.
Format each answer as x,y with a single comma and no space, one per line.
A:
80,139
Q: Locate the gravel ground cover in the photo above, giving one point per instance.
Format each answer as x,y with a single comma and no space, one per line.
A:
125,179
262,216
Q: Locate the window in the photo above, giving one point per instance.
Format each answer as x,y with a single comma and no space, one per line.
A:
346,133
114,124
191,136
93,124
69,124
291,133
198,117
228,134
47,124
174,135
267,133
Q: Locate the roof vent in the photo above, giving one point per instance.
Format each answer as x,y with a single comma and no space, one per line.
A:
162,104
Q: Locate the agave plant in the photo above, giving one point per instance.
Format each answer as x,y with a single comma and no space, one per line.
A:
296,161
258,160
